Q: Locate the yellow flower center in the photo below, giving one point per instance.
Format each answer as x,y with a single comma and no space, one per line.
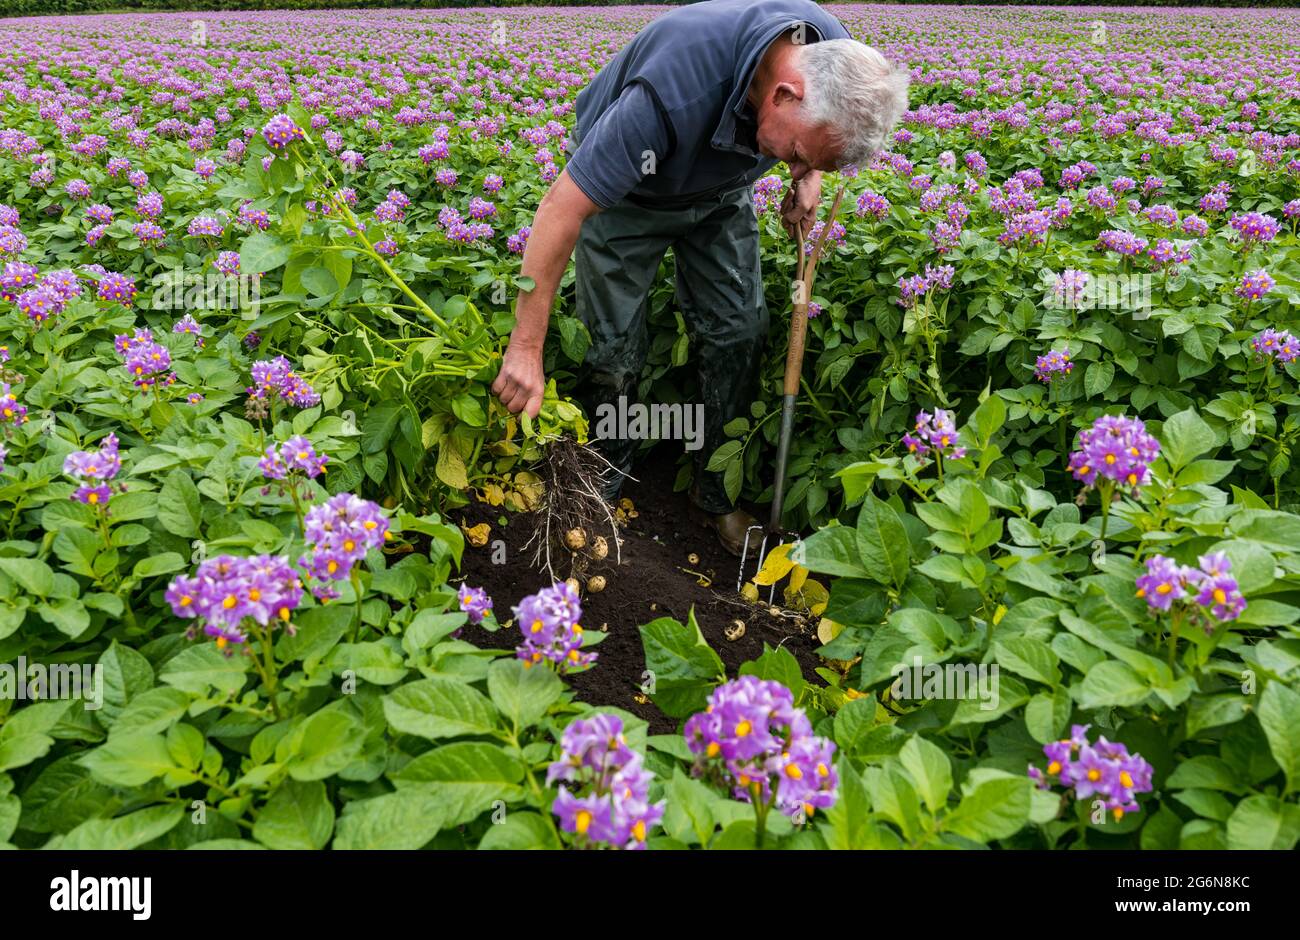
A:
793,771
254,595
284,613
743,729
186,601
582,822
1094,775
332,567
1220,596
230,601
537,626
638,831
1164,588
349,545
1054,767
1110,458
713,749
1126,778
92,498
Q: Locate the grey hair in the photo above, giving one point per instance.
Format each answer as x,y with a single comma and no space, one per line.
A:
854,90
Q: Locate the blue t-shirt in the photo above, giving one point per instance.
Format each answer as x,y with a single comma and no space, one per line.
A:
666,121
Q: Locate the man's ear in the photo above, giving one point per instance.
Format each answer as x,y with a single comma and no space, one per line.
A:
787,92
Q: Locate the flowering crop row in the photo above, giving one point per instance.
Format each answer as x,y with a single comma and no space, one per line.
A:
253,292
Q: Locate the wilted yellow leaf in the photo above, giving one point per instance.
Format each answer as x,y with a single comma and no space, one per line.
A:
776,566
492,494
477,535
811,597
797,577
828,630
530,488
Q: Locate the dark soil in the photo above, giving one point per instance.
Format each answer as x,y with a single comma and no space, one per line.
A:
654,580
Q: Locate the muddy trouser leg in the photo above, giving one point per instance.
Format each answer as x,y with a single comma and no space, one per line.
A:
616,259
720,289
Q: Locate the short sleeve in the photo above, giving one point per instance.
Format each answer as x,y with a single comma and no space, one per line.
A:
625,145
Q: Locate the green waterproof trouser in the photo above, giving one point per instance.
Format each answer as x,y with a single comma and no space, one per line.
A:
720,293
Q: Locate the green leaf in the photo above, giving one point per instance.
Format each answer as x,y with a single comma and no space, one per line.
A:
894,797
1111,684
995,809
378,661
930,770
468,778
1099,377
180,509
883,546
200,668
439,708
125,832
1264,822
33,576
1185,437
682,666
318,282
407,819
989,418
155,565
63,796
848,822
11,808
260,252
688,817
130,760
832,550
778,665
1212,711
322,745
151,711
1279,716
298,816
521,693
1030,658
519,831
126,675
19,750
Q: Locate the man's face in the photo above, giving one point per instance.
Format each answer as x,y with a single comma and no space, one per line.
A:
785,135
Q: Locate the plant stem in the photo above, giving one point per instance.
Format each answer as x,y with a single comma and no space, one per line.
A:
355,577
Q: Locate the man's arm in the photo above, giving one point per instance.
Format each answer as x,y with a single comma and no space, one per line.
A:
609,162
521,382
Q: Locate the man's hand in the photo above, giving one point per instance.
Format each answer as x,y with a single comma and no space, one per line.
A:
521,382
800,203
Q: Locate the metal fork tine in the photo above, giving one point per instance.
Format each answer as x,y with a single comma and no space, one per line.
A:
771,595
744,556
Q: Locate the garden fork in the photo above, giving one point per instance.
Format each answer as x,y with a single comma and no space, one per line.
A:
804,278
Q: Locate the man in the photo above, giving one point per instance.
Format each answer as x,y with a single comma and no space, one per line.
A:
671,135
